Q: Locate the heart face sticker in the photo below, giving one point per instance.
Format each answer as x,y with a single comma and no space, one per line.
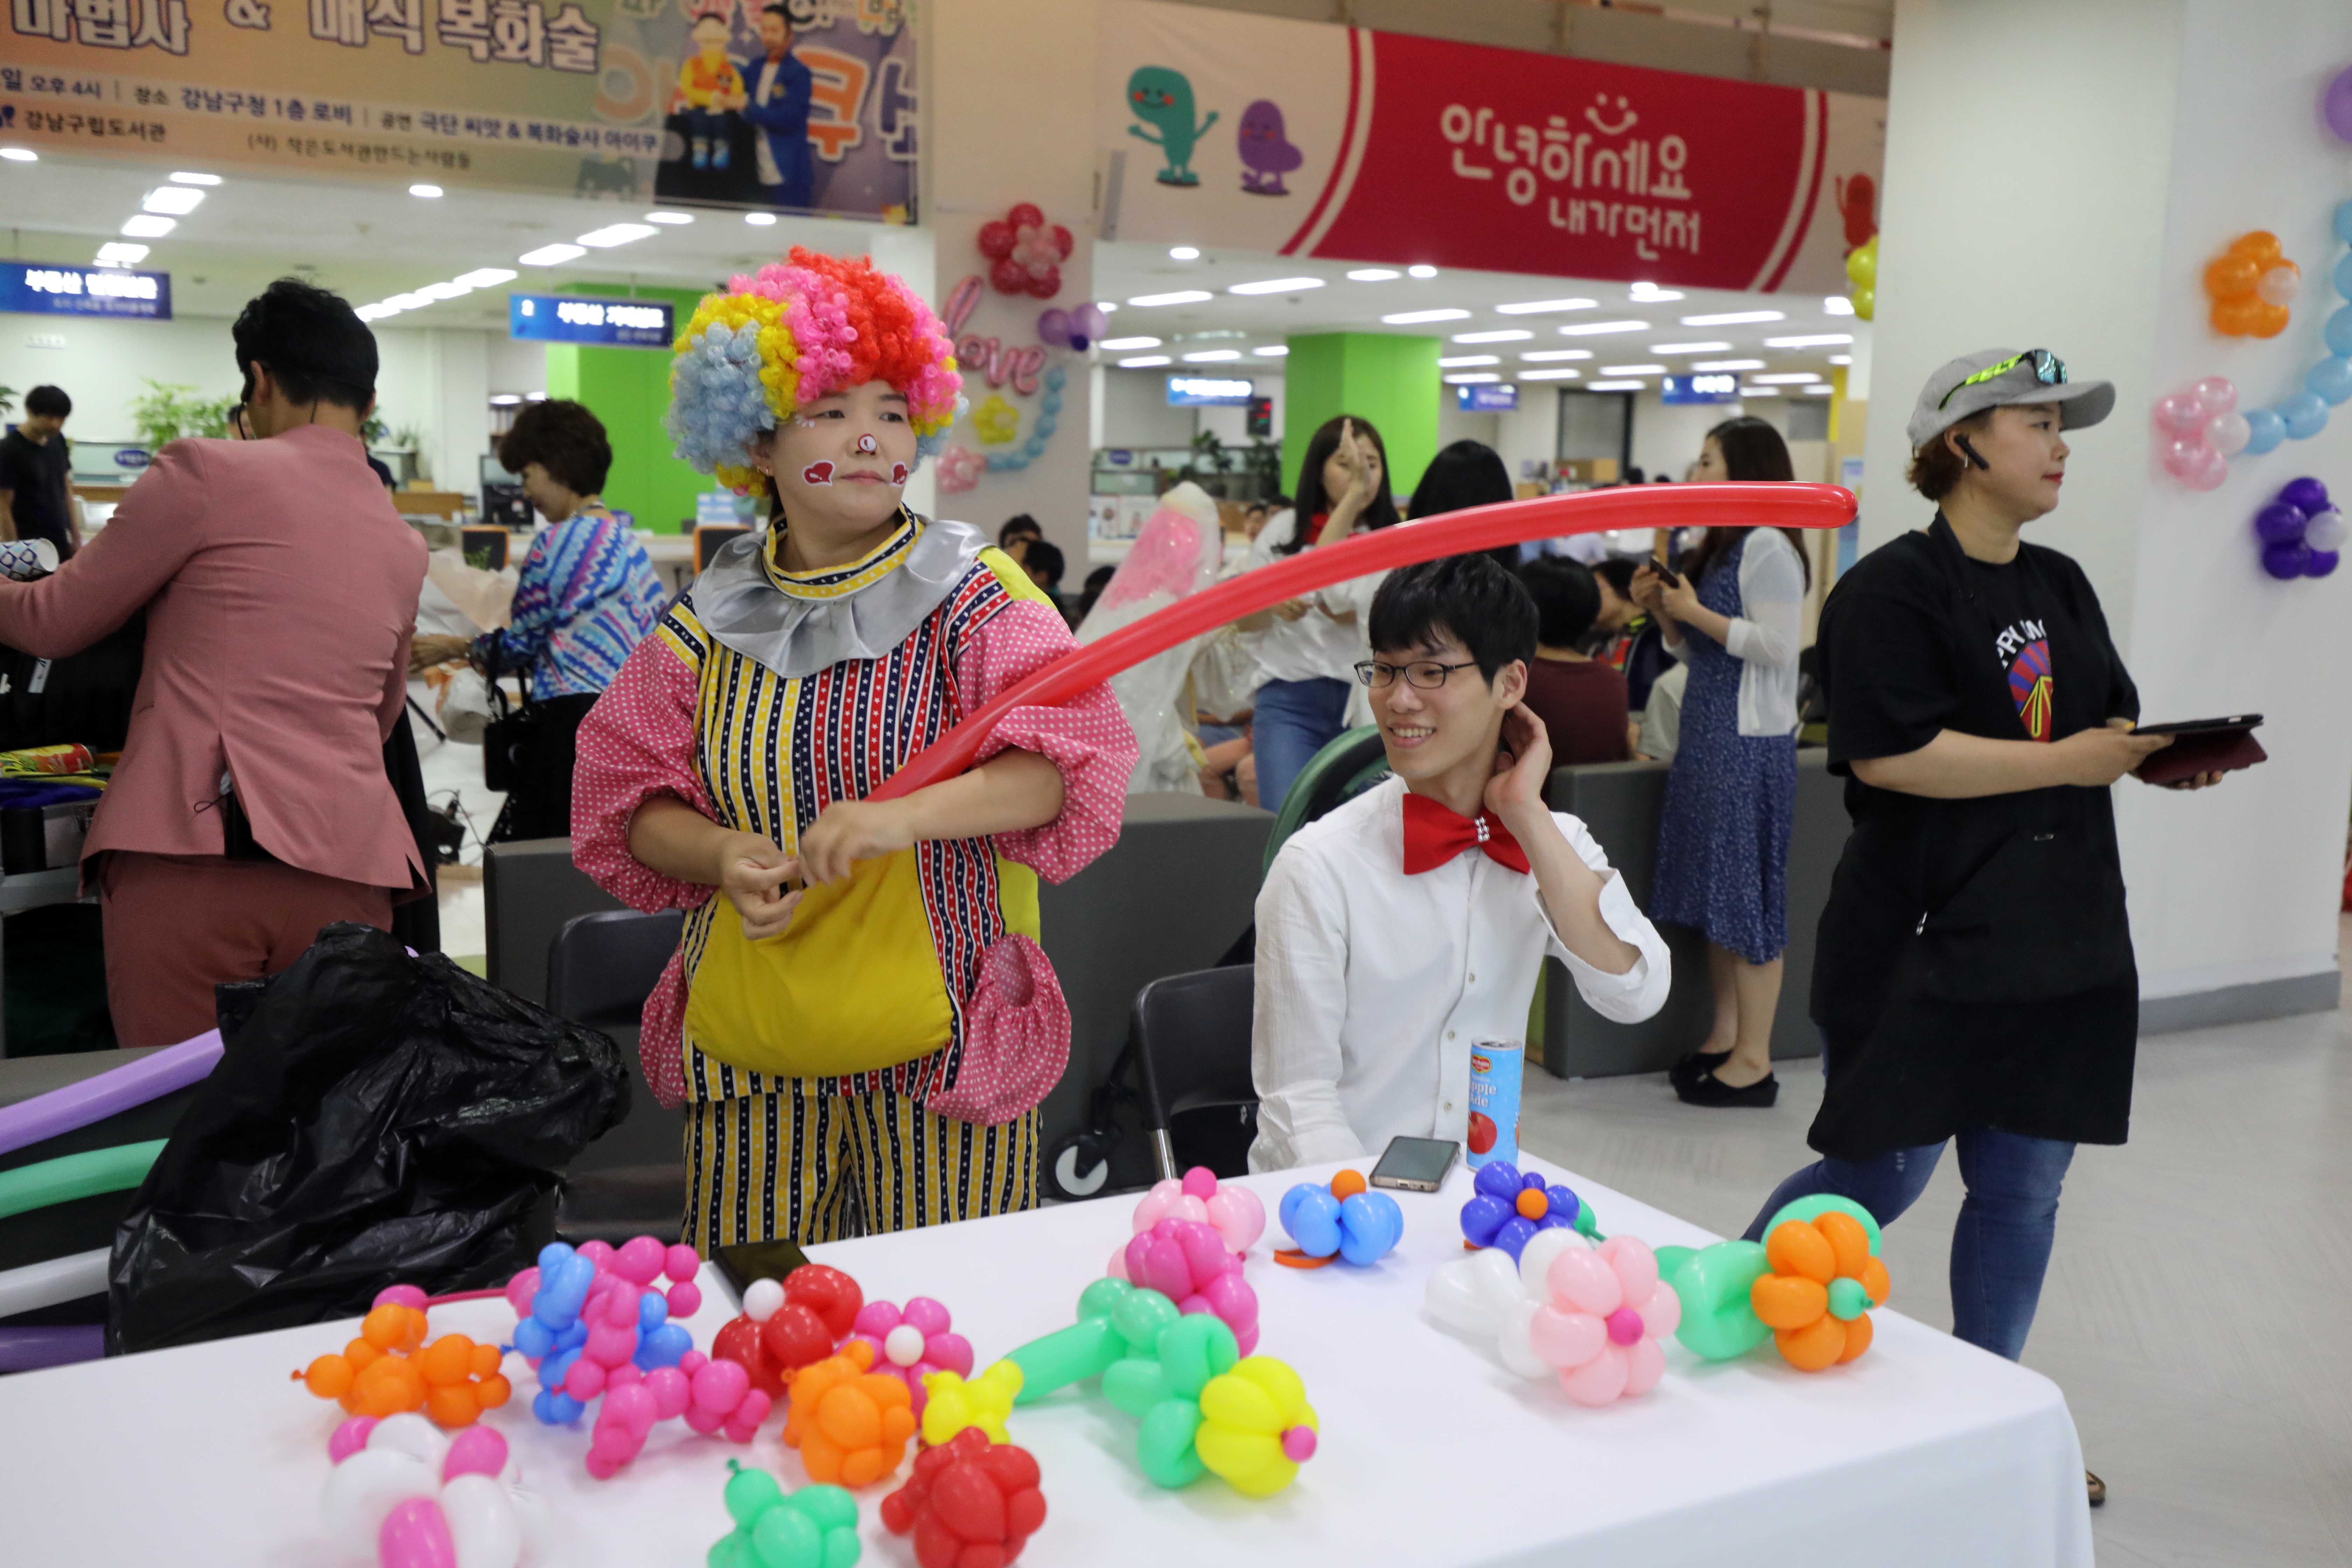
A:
817,474
897,473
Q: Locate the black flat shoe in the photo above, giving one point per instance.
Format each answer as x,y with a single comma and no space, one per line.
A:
1696,1066
1711,1091
2098,1489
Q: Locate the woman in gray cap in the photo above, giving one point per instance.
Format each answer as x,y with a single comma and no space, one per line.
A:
1974,979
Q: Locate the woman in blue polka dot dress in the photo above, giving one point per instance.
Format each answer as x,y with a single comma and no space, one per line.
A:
1733,614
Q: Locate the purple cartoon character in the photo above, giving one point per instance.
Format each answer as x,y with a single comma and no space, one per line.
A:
1266,153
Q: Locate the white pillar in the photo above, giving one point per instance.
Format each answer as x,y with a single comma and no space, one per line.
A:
1009,112
2058,175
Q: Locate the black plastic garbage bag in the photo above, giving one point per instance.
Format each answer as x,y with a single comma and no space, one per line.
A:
377,1118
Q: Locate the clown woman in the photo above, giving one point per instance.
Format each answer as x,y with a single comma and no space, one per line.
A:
859,1021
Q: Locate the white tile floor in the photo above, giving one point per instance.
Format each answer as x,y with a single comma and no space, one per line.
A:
2199,1308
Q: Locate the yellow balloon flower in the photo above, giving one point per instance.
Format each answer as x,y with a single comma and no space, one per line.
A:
1256,1427
954,1403
996,420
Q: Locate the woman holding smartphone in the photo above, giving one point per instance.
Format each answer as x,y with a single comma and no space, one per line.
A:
1974,981
1733,616
1309,647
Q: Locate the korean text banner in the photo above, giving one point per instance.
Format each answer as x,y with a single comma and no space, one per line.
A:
707,100
1304,139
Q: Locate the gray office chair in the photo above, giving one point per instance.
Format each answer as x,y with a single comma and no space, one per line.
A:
1191,1032
601,968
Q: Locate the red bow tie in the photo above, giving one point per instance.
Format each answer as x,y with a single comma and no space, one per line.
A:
1434,836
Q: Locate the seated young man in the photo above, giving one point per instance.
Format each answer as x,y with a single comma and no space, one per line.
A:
1581,700
1410,923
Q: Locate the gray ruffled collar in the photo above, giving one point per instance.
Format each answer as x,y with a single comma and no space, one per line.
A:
797,623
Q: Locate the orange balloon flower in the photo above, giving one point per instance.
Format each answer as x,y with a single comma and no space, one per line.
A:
2251,285
850,1423
1817,1300
382,1372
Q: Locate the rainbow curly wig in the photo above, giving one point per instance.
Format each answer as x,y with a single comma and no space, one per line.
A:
810,327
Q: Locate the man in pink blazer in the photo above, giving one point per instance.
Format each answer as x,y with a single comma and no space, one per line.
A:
280,589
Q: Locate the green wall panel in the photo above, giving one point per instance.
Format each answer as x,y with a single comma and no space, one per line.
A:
628,389
1385,377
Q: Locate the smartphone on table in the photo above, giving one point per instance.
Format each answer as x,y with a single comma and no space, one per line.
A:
757,1260
1416,1164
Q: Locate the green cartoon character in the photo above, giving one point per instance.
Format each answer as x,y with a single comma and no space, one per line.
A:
1162,99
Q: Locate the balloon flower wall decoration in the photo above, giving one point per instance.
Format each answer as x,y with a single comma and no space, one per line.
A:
2199,430
1861,271
2301,532
2303,414
1024,252
2251,285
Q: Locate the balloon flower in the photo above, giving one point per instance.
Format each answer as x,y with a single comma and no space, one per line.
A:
2301,532
1861,271
788,1325
956,1403
1204,1408
2251,285
1589,1316
595,1328
1344,1219
414,1499
1025,253
1232,1211
850,1423
1182,1234
2199,430
1809,1288
972,1504
816,1527
911,1345
389,1369
1507,1209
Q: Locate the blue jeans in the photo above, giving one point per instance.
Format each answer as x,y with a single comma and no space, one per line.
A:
2001,1247
1295,719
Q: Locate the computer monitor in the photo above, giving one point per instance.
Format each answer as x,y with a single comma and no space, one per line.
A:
493,474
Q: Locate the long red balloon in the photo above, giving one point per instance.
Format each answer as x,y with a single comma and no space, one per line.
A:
1781,505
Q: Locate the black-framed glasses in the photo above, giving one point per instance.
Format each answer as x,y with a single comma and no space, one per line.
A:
1427,674
2048,369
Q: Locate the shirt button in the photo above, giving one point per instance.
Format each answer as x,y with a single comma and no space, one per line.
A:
1474,980
1449,1105
1449,1034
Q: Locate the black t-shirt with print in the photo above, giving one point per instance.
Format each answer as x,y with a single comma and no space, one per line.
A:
39,474
1917,639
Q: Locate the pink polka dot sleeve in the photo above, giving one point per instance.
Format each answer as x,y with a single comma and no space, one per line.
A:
637,742
1088,738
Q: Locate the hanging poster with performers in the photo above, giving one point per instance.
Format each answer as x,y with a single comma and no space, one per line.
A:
805,105
1305,139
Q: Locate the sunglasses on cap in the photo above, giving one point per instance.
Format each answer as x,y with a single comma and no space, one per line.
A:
2048,369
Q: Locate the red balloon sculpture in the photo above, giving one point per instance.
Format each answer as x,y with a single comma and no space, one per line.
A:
1024,252
1744,505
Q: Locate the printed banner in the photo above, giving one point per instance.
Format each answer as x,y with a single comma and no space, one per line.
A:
705,100
1299,138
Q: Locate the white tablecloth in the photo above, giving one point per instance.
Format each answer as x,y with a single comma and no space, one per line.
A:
1925,1451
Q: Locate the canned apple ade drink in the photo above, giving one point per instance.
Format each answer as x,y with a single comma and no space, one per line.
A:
1495,1100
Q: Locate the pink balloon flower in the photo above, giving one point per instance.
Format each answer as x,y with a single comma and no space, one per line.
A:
1606,1313
912,1343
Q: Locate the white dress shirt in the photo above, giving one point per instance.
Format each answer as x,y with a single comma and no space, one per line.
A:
1314,647
1372,986
1764,633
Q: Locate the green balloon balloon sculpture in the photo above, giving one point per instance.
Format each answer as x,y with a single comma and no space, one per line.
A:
1713,1283
816,1527
1203,1407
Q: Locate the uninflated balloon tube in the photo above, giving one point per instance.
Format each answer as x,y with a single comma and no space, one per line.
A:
1747,505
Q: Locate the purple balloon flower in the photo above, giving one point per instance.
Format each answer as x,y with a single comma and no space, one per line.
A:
2280,523
2306,494
2321,563
2287,560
